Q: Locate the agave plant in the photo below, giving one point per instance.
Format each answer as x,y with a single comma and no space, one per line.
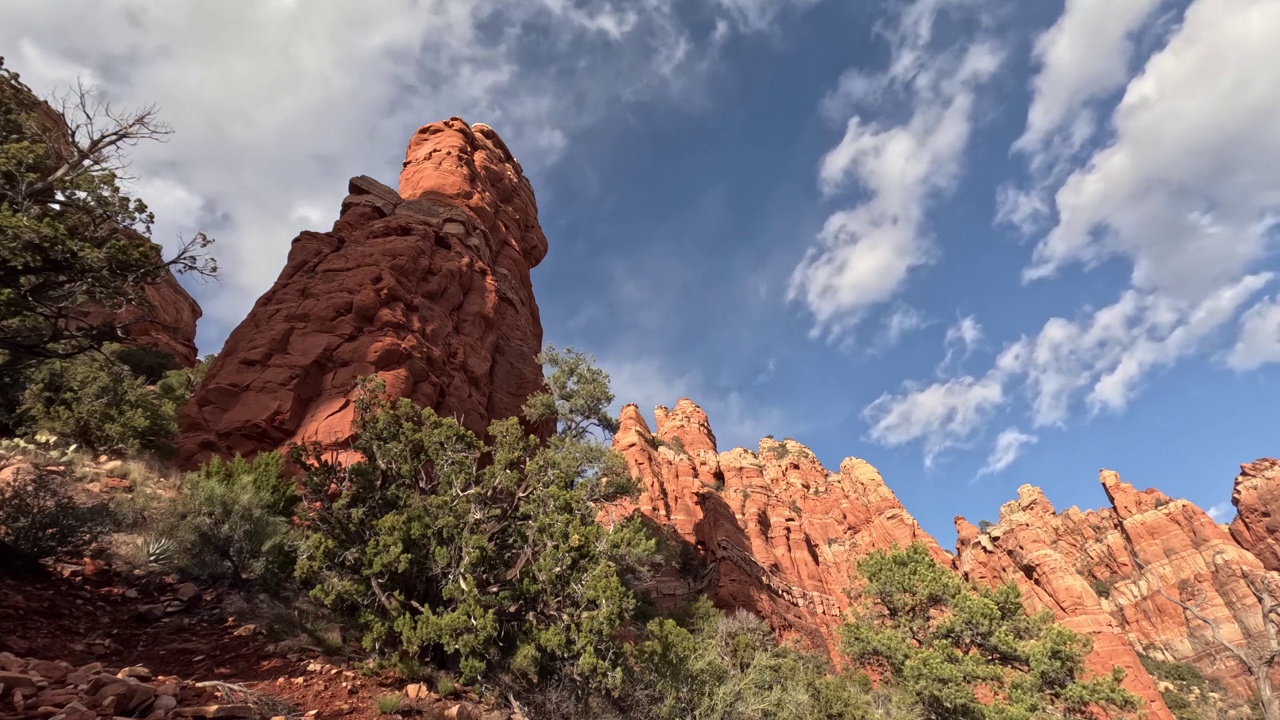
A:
158,550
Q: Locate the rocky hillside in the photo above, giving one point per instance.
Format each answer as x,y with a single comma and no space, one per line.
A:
1136,575
775,532
427,288
778,534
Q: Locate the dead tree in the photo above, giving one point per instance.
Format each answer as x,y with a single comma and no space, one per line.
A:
1258,654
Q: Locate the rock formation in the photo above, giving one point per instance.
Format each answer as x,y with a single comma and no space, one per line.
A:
1257,500
777,534
1123,574
1030,547
427,289
166,323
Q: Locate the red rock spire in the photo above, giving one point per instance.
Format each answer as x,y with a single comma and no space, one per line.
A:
428,289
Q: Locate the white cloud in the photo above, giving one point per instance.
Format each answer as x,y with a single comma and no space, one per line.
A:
1189,190
758,14
1008,447
902,322
960,341
1084,56
1259,341
1222,512
943,415
770,371
1106,355
1100,360
275,104
865,253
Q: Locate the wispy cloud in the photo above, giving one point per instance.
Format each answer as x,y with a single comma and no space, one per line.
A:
1097,362
960,341
865,253
276,104
1258,343
942,415
1084,56
1008,447
1222,512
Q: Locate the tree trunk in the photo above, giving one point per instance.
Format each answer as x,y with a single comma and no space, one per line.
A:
1266,695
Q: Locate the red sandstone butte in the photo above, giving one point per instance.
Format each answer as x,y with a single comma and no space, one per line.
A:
779,534
427,289
167,322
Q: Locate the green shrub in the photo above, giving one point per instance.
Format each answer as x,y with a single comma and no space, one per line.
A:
389,704
147,363
445,685
725,667
39,520
97,401
482,556
1189,698
1101,587
940,639
1175,672
231,522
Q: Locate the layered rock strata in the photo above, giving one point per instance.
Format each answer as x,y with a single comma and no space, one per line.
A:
775,532
1030,547
427,289
1256,497
1150,574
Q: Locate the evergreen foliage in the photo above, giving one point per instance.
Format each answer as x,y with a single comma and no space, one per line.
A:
74,246
96,401
969,653
232,522
482,555
40,519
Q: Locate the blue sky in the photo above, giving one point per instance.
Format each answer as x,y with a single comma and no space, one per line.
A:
976,242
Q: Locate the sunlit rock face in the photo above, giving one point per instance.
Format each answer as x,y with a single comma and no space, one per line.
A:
776,533
427,289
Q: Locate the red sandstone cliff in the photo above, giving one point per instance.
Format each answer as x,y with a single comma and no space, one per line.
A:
779,534
166,323
1041,553
1124,573
427,289
1257,500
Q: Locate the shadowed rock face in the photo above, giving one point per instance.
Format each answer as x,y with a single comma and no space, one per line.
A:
1257,500
427,289
1036,549
166,323
779,534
